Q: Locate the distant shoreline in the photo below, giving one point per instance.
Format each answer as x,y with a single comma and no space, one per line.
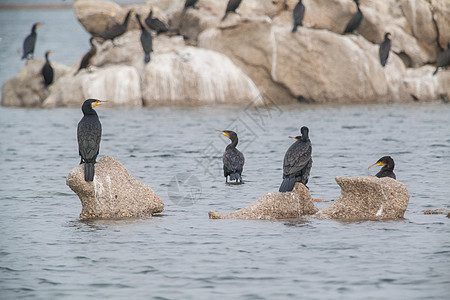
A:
46,6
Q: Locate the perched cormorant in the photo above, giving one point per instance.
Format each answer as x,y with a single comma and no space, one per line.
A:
115,30
30,42
443,59
88,57
231,7
298,14
233,159
155,24
190,3
388,167
355,21
47,70
146,40
385,47
297,162
89,135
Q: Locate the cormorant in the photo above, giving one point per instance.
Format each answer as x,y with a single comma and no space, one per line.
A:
233,159
115,30
190,3
443,59
30,42
231,7
355,21
155,24
88,57
89,135
298,14
388,167
297,162
385,47
146,40
47,70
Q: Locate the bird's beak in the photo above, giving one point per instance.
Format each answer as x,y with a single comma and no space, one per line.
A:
50,52
292,137
376,164
38,25
224,133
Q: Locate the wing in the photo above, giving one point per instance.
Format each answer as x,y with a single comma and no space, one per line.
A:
296,159
385,47
233,161
89,136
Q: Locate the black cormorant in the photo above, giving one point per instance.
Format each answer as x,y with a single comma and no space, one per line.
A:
355,21
47,70
115,30
388,167
297,162
385,47
298,14
88,57
190,3
231,7
30,42
89,135
233,159
155,24
146,40
443,59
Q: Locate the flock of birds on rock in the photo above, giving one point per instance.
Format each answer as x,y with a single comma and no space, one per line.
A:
117,29
297,161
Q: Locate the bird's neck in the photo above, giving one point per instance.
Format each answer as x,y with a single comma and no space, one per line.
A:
234,143
89,112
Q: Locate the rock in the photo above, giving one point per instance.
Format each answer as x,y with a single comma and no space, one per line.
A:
275,206
424,87
118,84
97,15
114,193
439,211
27,88
196,76
441,15
366,198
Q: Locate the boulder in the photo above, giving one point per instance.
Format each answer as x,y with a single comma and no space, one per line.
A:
118,84
441,16
27,88
439,211
196,76
367,198
424,87
274,206
114,193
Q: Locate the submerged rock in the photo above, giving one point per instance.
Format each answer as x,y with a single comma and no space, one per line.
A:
439,211
366,198
275,206
114,193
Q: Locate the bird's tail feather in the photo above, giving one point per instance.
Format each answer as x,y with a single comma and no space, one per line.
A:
89,171
435,71
225,16
295,28
287,185
147,57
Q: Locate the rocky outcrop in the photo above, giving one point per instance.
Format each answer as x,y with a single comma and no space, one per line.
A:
114,193
274,206
368,198
441,15
27,89
439,211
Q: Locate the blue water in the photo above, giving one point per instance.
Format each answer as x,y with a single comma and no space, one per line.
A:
46,252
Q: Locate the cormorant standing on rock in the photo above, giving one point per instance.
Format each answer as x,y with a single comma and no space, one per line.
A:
89,135
146,40
86,61
388,167
155,24
297,162
233,159
115,30
385,47
355,21
298,14
443,59
30,42
231,7
47,70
